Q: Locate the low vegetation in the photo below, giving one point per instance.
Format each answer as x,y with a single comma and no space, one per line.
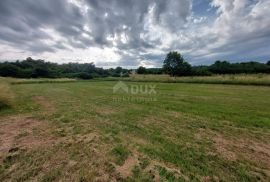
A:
83,131
239,79
41,80
6,96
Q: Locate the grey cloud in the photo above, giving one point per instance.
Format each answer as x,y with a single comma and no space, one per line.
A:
128,17
22,22
244,28
137,30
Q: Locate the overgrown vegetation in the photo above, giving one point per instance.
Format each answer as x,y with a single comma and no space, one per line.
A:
6,95
239,79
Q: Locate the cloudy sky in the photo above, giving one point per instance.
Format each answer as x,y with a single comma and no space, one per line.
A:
130,33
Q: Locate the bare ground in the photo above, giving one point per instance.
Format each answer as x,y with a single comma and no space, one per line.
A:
19,132
237,148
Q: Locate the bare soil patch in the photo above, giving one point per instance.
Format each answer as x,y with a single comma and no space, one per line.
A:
221,145
105,110
126,169
240,148
152,168
19,132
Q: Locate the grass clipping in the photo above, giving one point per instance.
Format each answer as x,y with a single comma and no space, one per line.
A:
6,95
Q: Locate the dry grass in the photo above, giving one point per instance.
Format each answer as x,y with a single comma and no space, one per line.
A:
22,132
239,79
47,106
40,80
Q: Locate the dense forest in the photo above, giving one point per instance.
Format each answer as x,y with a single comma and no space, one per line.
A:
31,68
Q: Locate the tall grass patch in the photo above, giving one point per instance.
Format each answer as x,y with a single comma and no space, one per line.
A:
6,95
237,79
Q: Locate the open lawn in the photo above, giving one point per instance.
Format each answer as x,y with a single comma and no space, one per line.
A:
83,131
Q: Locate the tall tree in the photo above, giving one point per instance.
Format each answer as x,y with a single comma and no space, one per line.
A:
175,65
141,70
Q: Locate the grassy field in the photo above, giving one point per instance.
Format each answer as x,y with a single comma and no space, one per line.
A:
83,131
240,79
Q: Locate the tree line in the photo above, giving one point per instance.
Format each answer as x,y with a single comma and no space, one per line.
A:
31,68
174,65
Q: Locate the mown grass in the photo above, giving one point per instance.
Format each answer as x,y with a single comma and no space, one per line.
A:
239,79
96,130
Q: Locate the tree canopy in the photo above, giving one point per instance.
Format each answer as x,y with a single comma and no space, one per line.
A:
141,70
175,65
30,68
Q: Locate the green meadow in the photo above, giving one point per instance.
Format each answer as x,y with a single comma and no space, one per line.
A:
84,131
